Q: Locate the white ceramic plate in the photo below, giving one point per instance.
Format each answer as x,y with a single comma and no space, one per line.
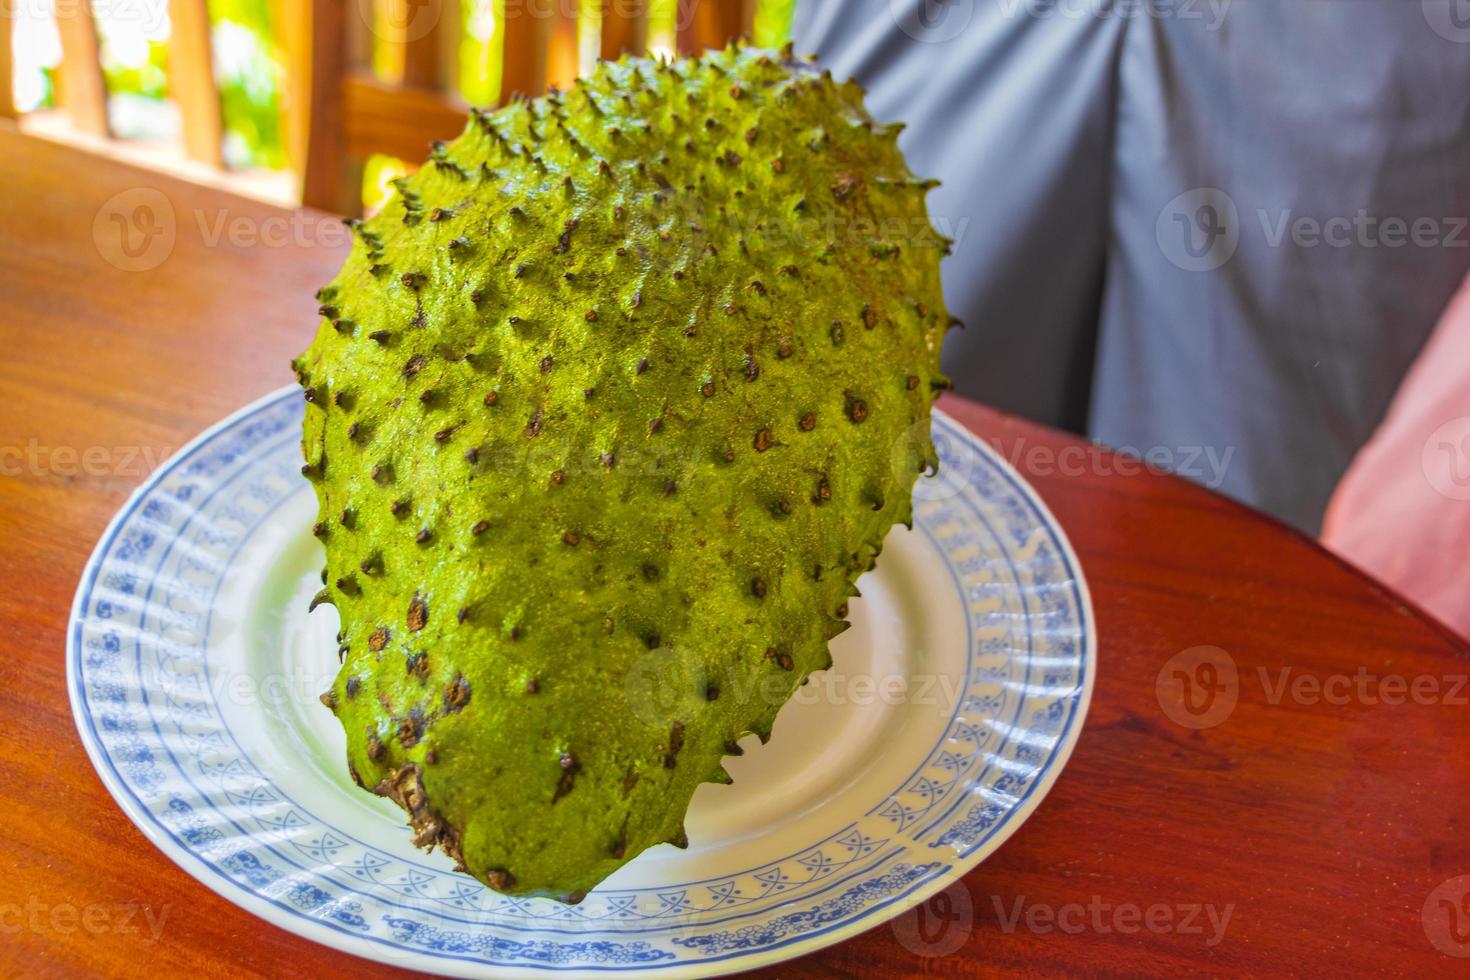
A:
950,709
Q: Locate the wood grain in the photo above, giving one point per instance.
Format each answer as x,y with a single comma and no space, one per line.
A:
624,28
82,90
711,23
524,36
1321,827
382,118
562,54
7,70
191,81
417,40
313,36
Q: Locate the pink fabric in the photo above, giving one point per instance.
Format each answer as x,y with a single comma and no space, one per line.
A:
1402,511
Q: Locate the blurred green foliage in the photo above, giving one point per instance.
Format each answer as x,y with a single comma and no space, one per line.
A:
148,80
247,66
247,70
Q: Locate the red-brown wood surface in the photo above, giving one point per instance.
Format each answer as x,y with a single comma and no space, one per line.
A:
1323,829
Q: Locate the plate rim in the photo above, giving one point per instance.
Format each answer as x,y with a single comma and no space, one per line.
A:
319,932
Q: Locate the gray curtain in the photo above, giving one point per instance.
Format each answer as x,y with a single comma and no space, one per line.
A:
1215,232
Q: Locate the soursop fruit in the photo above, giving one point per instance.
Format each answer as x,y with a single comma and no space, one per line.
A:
608,409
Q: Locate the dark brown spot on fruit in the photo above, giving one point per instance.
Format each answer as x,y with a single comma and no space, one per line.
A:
418,614
457,694
676,742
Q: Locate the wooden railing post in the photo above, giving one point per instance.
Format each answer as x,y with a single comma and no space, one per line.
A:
624,28
563,58
83,91
712,23
313,35
418,38
525,34
7,69
191,81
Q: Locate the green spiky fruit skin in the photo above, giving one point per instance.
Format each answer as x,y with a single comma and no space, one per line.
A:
609,408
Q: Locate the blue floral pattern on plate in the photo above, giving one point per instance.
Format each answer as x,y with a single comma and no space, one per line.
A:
147,707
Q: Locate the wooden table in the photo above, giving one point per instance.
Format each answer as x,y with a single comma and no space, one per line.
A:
1321,828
